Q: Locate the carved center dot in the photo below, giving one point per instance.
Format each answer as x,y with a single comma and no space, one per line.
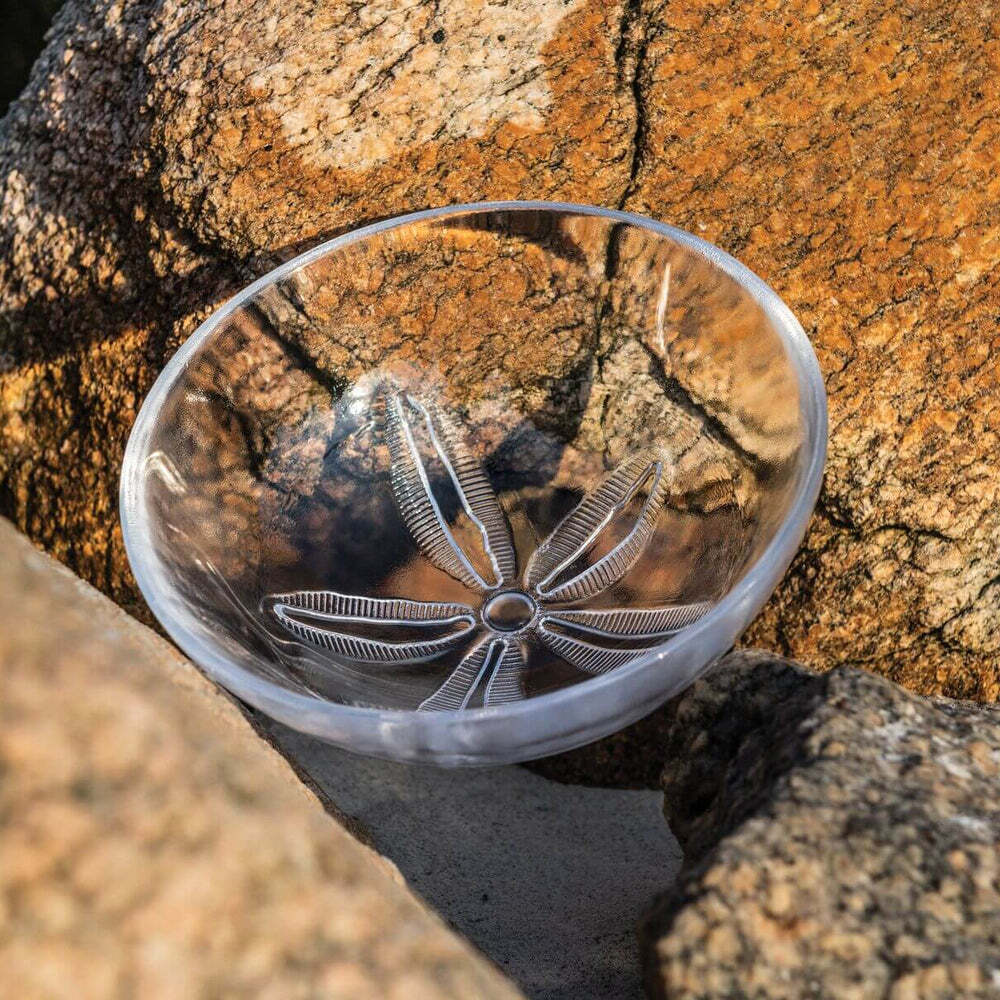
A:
508,612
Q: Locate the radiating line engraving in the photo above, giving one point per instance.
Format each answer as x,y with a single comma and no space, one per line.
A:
589,551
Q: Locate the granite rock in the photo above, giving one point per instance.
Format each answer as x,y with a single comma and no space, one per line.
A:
844,151
840,840
151,844
164,154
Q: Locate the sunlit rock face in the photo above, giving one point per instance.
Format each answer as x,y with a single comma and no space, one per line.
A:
158,161
277,125
152,167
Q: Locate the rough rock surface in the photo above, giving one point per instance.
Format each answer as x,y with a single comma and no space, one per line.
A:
844,152
164,152
151,845
840,840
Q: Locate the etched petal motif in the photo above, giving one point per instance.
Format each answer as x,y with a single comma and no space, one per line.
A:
420,508
582,528
507,683
585,656
499,658
582,637
654,624
455,519
325,618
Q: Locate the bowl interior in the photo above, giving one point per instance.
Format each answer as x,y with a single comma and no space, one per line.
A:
468,459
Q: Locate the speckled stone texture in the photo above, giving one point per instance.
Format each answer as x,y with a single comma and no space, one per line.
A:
846,153
165,153
840,838
151,845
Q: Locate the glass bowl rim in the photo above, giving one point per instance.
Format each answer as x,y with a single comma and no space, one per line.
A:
455,738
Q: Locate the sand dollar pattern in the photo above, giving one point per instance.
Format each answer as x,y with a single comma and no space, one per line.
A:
587,553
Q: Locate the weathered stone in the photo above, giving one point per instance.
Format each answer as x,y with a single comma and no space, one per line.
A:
839,835
845,152
152,845
161,155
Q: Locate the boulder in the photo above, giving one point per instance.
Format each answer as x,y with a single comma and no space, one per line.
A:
839,837
162,155
153,845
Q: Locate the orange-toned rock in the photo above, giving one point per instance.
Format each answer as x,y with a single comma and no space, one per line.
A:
152,156
845,152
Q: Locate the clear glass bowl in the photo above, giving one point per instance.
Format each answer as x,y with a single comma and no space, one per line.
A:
477,484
